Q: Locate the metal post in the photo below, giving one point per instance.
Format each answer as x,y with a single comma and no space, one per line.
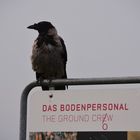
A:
84,81
23,109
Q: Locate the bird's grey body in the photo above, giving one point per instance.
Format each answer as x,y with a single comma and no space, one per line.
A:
49,55
47,60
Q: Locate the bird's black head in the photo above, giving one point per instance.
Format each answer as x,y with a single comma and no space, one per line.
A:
41,27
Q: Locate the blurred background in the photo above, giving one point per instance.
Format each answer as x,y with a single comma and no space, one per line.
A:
102,39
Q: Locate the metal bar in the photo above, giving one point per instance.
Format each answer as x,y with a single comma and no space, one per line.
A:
51,83
93,81
23,109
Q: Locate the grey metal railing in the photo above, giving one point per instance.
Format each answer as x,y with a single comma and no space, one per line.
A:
83,81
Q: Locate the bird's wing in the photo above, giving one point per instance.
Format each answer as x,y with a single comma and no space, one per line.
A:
64,56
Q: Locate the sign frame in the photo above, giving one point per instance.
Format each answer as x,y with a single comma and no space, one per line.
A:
52,83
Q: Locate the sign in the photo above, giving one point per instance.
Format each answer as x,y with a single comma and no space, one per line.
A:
99,110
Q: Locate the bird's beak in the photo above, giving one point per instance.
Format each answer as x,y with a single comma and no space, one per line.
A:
32,27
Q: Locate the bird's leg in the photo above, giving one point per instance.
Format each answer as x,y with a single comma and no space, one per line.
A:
39,78
50,85
40,82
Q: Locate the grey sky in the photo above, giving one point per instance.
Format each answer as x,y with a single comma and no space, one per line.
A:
102,39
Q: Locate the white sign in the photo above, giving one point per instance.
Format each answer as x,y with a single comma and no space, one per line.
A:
86,110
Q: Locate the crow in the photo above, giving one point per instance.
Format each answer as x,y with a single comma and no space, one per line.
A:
49,54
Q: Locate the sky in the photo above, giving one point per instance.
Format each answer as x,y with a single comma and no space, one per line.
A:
102,39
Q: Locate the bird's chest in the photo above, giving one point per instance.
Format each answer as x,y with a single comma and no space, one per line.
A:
50,48
48,54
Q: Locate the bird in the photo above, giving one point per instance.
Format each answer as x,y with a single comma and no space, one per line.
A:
49,54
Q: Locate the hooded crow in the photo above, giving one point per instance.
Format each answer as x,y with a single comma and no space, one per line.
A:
49,55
